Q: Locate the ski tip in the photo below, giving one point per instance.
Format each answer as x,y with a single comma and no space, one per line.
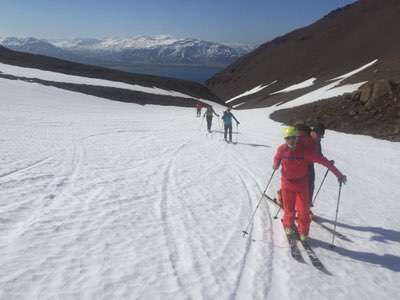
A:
325,271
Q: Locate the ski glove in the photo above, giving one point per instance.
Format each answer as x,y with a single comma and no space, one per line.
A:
342,179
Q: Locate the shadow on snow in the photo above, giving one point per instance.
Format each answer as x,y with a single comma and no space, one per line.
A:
220,131
252,145
380,234
387,261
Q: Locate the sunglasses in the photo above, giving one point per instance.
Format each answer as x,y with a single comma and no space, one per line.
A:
291,138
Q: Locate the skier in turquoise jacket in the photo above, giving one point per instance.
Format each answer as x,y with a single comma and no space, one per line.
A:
227,118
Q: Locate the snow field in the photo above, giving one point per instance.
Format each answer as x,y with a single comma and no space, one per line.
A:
252,91
301,85
108,200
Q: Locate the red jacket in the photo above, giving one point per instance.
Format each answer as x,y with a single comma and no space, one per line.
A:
295,165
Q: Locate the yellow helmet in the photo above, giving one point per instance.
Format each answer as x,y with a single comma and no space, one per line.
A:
289,131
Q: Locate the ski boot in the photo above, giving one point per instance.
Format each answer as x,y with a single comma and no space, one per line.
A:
289,231
303,237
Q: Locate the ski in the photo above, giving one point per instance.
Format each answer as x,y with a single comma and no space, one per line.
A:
339,235
294,249
315,261
316,220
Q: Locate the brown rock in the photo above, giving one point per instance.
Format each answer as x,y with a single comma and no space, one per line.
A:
372,92
348,96
379,116
381,88
355,96
365,92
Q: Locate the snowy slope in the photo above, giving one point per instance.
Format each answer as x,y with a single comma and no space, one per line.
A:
302,85
324,90
252,91
332,89
107,200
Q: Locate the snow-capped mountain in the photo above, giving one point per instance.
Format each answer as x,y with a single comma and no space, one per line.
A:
31,45
115,44
139,50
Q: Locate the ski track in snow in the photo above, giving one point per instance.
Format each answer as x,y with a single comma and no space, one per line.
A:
193,256
107,200
29,166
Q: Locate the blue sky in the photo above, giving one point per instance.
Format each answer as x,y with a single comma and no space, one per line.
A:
230,21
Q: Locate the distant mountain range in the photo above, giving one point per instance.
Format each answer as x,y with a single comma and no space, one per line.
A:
162,50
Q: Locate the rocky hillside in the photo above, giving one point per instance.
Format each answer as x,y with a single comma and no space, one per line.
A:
372,110
340,42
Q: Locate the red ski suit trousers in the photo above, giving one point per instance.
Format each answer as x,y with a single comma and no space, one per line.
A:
296,201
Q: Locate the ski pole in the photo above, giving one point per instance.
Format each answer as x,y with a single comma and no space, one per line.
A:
237,132
337,211
258,204
320,186
277,212
202,120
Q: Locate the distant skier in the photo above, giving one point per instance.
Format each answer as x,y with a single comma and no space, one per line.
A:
198,109
227,118
294,159
209,116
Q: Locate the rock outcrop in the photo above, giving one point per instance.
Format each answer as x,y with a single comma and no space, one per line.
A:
372,110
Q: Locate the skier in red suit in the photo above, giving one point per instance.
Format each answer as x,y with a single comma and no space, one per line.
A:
294,159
